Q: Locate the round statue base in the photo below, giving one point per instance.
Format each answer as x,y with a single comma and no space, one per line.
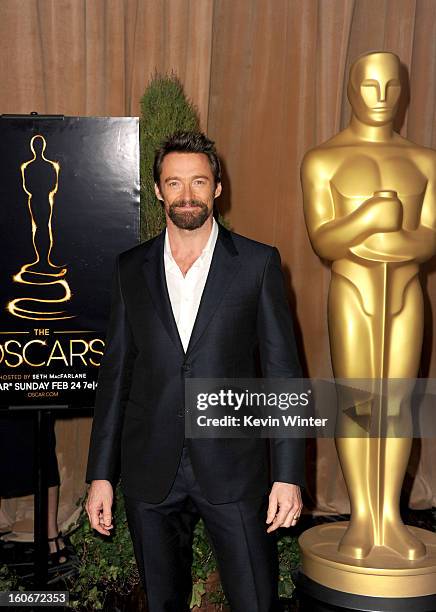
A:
381,581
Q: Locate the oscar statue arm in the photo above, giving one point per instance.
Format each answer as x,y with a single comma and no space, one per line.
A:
426,234
422,241
418,244
332,238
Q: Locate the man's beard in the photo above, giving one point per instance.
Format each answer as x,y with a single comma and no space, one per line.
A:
189,219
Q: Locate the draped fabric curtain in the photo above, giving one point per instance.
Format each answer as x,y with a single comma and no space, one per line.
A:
269,81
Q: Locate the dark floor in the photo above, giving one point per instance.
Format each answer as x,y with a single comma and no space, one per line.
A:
18,556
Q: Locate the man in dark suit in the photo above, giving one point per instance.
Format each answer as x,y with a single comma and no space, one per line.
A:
196,301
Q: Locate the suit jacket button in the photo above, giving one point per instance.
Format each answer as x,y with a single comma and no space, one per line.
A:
186,367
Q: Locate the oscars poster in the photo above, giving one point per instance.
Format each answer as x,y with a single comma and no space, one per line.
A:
69,197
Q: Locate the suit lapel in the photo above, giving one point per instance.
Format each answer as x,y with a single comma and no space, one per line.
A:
223,268
154,272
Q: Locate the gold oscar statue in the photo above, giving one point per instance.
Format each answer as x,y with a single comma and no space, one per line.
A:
40,182
370,208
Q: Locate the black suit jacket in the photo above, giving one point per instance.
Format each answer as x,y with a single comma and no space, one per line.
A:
139,411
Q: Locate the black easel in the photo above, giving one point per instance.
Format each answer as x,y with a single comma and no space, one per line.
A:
41,497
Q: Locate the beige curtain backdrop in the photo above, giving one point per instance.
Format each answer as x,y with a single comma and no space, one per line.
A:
269,80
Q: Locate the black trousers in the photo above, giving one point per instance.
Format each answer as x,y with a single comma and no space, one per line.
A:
162,537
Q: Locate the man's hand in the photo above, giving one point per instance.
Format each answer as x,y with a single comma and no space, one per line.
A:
284,507
99,506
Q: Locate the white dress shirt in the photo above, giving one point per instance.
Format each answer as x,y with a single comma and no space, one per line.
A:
185,291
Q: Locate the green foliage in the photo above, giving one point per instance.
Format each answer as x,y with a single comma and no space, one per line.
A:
204,565
164,110
106,564
198,590
8,580
108,567
289,560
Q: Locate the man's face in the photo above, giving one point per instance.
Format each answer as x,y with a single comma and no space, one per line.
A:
375,89
187,189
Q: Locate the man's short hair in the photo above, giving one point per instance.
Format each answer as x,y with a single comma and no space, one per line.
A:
187,142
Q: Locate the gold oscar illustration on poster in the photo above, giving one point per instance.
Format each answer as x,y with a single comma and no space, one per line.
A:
370,209
46,288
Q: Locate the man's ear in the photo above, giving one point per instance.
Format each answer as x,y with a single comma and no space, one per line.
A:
157,192
218,190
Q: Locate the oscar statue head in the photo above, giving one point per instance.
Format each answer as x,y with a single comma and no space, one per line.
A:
374,88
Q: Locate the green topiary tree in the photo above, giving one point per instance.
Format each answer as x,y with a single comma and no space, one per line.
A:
164,110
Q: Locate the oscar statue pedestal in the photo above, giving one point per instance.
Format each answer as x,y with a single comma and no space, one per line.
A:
383,581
